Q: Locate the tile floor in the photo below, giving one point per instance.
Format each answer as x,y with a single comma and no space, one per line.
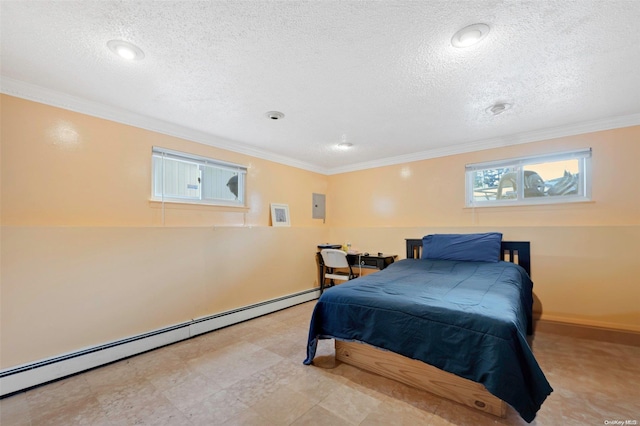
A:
252,374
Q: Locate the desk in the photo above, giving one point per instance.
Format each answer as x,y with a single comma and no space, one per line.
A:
370,261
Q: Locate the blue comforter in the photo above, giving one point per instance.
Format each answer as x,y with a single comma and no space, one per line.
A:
466,318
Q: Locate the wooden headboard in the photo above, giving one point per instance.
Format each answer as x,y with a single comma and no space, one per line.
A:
511,251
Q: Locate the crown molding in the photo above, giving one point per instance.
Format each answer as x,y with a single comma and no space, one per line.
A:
516,139
46,96
31,92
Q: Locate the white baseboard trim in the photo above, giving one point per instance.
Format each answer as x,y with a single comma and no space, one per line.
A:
26,376
214,322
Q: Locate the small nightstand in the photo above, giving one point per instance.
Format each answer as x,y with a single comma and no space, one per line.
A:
372,261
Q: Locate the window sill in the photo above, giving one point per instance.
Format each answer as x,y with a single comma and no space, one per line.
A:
565,203
191,205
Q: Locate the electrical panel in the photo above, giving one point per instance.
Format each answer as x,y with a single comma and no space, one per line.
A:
318,208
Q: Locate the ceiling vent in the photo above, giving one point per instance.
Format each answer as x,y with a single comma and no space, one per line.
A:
498,108
275,115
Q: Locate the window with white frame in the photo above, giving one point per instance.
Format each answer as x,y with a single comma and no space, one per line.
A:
554,178
182,177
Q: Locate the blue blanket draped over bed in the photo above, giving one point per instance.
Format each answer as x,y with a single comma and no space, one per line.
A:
466,318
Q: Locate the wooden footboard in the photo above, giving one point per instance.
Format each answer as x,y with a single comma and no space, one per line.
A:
420,375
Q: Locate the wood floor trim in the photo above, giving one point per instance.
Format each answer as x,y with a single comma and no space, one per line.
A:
608,335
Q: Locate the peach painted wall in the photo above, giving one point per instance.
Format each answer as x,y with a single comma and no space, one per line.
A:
86,258
584,255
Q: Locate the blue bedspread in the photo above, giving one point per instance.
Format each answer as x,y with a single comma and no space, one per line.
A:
466,318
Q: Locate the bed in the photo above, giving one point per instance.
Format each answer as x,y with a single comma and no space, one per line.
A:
452,319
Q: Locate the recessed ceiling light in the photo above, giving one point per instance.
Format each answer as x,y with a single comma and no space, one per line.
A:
468,36
498,108
125,50
275,115
344,145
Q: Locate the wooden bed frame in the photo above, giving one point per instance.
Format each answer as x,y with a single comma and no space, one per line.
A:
512,251
422,375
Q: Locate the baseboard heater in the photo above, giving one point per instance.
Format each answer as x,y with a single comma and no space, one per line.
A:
17,379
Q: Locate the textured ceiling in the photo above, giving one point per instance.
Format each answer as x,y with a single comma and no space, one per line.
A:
381,75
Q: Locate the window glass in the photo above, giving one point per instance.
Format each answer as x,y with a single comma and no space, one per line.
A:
552,179
219,184
493,184
560,177
181,179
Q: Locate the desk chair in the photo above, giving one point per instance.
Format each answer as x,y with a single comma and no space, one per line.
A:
332,260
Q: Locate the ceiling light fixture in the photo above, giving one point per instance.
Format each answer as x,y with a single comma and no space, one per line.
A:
275,115
468,36
125,50
344,145
498,108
